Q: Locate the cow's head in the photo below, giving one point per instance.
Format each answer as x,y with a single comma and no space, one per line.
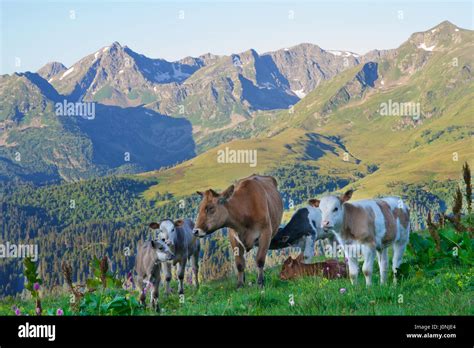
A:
163,251
291,267
332,210
166,232
213,211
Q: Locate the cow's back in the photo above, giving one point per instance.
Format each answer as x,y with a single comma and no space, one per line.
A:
261,195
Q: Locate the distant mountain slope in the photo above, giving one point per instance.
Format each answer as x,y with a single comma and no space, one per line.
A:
431,72
39,145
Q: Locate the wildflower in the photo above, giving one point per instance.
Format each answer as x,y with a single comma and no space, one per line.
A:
59,312
17,311
36,286
38,310
342,290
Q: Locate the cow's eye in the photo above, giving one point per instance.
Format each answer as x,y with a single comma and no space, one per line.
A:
210,210
335,209
163,239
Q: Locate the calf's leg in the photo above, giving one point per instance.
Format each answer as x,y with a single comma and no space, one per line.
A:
141,288
382,257
308,249
156,288
181,270
167,269
367,268
398,250
239,255
195,264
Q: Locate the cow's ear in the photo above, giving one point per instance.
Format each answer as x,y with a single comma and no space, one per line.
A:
299,258
200,193
214,193
314,202
228,192
179,222
154,225
346,196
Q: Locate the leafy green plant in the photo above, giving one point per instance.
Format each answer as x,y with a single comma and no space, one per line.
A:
453,249
33,282
112,298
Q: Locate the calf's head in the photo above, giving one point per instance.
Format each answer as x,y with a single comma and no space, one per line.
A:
332,210
163,251
291,268
166,231
213,212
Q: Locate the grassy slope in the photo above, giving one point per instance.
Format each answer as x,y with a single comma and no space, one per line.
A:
445,294
203,171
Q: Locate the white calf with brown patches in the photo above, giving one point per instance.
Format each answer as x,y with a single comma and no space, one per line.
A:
371,224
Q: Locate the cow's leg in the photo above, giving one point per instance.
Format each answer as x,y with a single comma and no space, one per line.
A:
195,264
239,255
398,250
369,255
181,270
308,248
168,266
382,257
263,245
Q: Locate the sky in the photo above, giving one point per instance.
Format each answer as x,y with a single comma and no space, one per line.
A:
36,32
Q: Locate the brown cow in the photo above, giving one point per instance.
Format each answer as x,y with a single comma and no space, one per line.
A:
295,268
252,210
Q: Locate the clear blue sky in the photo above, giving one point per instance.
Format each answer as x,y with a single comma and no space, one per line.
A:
41,31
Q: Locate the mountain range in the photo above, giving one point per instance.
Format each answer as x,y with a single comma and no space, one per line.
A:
151,113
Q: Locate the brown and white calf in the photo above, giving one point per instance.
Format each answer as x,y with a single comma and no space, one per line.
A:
252,210
371,225
295,268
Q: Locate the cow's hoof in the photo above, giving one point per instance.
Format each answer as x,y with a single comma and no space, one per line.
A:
240,285
181,292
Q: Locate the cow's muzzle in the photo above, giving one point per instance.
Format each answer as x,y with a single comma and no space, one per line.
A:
199,232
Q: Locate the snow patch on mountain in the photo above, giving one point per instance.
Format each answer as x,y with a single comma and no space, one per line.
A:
344,53
67,72
423,47
299,93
